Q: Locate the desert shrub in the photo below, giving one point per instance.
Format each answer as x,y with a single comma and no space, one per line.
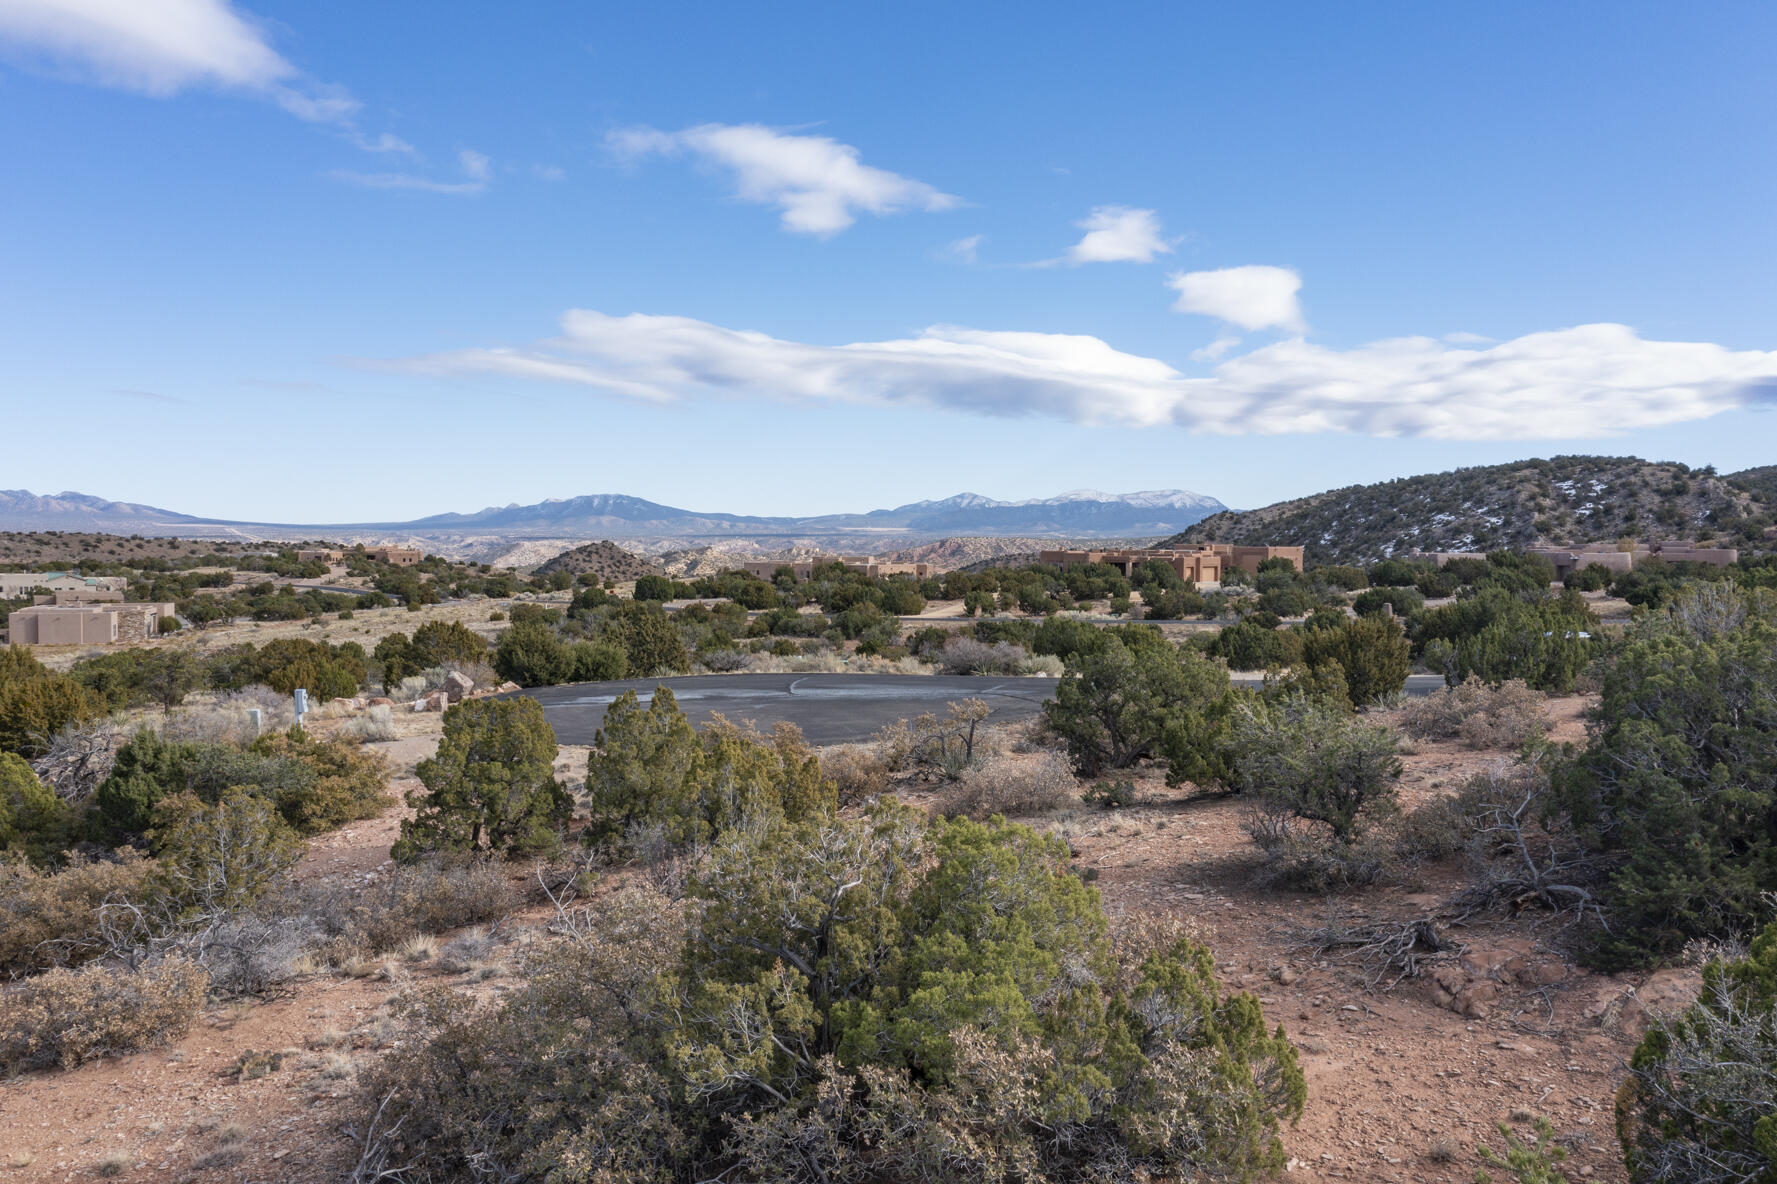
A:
1319,780
248,953
33,820
1119,705
1436,829
36,704
1498,634
531,655
851,1002
1015,786
1255,643
722,661
1109,795
1372,654
599,661
78,760
344,783
858,773
68,1017
375,723
1480,716
431,895
490,786
1045,665
650,640
1404,601
965,655
219,858
1700,1105
438,642
1676,790
650,768
1529,1163
53,919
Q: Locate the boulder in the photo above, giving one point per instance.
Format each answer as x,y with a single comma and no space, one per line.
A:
379,701
437,701
344,704
457,684
509,687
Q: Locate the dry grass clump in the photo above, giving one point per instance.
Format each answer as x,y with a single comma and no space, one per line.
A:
68,1017
375,723
114,1163
49,920
859,770
1478,715
1002,784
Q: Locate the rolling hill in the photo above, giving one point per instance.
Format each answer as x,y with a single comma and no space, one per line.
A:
1559,501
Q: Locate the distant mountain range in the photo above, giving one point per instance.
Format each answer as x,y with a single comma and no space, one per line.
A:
1561,501
1080,513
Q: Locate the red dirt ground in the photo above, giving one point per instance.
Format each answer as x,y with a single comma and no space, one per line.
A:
1400,1088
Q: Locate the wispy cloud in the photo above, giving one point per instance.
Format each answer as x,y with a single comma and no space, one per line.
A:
150,396
818,184
477,171
1116,234
1583,382
1252,297
963,250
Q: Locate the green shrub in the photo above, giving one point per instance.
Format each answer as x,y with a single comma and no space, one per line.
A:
1677,788
870,1000
36,704
1119,705
221,857
531,655
491,785
1109,795
1372,654
1700,1105
345,782
1319,780
438,642
649,768
34,822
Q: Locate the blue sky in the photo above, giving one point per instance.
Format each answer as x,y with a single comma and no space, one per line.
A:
324,262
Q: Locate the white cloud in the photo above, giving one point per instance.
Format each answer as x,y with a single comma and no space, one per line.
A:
1119,234
475,165
818,183
1463,338
1252,297
383,143
1584,382
964,250
549,172
160,47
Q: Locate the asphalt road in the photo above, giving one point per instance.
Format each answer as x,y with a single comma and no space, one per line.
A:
829,708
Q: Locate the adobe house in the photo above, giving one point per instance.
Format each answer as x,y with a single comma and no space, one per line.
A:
86,624
399,556
1623,557
321,554
1201,564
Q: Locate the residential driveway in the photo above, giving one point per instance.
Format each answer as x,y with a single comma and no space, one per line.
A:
829,708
